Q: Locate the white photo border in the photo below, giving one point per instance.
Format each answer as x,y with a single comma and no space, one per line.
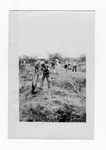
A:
39,130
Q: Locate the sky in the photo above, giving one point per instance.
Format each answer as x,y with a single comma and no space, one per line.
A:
39,33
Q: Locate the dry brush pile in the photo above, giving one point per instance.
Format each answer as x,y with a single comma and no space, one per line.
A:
65,102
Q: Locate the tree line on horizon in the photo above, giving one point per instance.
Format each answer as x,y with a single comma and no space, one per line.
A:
51,57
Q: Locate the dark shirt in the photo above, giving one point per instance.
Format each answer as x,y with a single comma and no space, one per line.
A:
45,69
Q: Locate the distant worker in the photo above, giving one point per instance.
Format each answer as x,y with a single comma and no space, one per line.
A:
65,66
74,65
69,66
24,62
52,63
57,65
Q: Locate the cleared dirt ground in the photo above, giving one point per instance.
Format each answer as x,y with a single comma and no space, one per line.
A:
64,102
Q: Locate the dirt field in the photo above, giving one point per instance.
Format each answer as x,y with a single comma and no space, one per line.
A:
65,102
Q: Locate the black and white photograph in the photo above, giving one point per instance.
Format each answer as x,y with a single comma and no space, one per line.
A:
52,89
52,67
51,70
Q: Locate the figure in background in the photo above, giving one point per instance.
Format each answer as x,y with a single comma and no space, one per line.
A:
57,66
74,65
65,67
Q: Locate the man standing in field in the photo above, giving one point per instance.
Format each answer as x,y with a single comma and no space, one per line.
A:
45,68
74,65
57,65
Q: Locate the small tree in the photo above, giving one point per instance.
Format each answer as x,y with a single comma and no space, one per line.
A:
32,60
25,58
83,58
53,57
